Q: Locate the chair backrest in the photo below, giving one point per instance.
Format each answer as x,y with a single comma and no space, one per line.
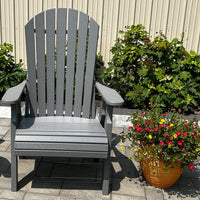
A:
61,51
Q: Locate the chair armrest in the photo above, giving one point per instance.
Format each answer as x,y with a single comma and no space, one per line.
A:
110,96
13,94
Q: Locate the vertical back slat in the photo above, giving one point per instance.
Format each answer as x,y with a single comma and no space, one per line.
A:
50,45
82,38
30,50
89,76
40,49
71,46
61,37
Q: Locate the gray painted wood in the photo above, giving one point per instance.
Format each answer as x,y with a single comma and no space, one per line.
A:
14,163
106,177
77,133
13,94
89,77
40,52
80,67
30,51
64,124
52,153
61,135
61,146
50,45
93,107
57,139
71,44
60,61
109,95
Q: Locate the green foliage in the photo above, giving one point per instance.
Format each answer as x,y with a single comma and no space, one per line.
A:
158,71
11,73
170,136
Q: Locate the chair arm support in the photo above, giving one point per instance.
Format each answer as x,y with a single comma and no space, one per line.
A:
13,94
110,96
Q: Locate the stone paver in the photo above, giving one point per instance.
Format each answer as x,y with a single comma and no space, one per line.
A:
80,179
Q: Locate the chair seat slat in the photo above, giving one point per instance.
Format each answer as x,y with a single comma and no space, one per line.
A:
61,146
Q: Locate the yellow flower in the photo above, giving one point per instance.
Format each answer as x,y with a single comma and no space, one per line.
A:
171,125
121,139
175,136
150,136
129,157
136,119
197,149
134,149
161,121
122,148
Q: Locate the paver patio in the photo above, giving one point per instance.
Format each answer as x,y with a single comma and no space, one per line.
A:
70,179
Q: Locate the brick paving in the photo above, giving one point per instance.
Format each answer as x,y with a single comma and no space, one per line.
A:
80,179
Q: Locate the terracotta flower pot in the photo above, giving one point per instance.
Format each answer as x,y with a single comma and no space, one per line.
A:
156,173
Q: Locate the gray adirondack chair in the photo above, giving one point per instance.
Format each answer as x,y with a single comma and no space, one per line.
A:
60,110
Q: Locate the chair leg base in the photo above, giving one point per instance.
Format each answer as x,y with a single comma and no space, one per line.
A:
14,175
106,177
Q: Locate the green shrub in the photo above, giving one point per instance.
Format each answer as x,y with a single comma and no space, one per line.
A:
157,71
11,73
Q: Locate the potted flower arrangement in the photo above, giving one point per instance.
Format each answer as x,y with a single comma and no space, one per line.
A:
164,143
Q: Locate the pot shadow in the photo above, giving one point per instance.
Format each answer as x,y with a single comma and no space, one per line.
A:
187,186
5,167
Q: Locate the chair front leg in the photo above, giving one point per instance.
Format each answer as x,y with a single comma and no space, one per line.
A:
15,115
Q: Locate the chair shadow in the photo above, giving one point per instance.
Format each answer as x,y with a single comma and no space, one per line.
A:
66,172
188,184
127,169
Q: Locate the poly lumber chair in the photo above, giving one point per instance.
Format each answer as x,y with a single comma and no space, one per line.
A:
60,116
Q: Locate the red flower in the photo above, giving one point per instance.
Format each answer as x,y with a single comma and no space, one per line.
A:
169,142
191,166
161,143
155,129
185,134
198,135
186,124
143,113
168,136
148,123
179,143
139,129
164,114
182,148
130,127
178,133
168,127
193,132
162,125
148,129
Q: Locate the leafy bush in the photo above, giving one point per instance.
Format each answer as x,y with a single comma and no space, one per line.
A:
11,73
157,71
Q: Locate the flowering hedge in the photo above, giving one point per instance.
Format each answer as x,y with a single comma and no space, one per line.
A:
155,70
171,136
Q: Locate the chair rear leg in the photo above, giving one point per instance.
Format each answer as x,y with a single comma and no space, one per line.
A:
14,173
106,177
